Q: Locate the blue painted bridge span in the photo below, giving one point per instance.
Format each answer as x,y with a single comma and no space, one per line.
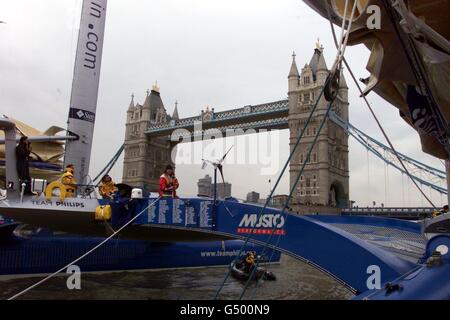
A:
335,251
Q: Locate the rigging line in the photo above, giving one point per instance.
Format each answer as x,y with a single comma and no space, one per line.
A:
385,182
343,37
277,181
85,254
286,205
429,190
368,176
347,34
375,116
403,191
293,188
110,164
336,65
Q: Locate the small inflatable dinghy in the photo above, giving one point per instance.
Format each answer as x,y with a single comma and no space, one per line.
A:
238,272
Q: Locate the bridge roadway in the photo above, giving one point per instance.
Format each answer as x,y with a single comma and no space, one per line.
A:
272,115
330,249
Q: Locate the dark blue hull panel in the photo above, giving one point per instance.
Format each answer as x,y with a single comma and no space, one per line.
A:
46,254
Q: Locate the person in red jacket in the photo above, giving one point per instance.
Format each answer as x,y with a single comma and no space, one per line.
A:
168,184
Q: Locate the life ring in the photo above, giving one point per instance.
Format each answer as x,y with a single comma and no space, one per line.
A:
63,190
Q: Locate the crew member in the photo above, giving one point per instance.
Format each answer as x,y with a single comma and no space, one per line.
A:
71,168
69,181
168,184
249,262
23,151
442,211
107,187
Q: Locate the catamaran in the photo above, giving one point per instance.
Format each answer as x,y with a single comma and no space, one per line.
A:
404,259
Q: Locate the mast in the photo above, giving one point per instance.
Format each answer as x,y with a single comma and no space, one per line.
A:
86,76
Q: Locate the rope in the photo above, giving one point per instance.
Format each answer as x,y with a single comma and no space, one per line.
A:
344,39
336,64
338,60
275,186
283,211
84,255
375,116
110,164
368,177
403,191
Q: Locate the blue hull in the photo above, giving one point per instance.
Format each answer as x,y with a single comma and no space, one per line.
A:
46,253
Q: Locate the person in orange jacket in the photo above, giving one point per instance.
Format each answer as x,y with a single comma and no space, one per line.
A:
168,184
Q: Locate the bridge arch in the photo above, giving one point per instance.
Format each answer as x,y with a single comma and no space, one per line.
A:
337,196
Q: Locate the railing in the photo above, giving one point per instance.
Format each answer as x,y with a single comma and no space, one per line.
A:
413,213
389,209
230,129
277,106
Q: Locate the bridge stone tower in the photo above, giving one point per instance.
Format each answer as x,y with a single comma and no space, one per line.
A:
325,180
145,158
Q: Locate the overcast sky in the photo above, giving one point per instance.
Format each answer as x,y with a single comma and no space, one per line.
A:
224,54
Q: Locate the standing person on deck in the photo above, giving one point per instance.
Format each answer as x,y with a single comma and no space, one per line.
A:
69,181
23,151
107,187
168,184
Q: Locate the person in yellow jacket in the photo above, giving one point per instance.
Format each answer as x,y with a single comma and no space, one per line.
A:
69,181
107,187
442,211
249,262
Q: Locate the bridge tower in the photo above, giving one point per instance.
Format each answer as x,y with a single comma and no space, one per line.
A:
325,181
145,158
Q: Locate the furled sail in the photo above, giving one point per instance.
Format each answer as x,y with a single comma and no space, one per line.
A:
46,157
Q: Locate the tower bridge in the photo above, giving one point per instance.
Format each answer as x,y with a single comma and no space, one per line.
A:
151,133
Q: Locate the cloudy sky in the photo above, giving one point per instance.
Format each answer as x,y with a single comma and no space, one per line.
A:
224,54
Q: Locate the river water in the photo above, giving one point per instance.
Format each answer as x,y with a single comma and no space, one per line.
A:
295,280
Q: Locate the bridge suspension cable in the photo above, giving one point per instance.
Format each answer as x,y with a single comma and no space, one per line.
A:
418,171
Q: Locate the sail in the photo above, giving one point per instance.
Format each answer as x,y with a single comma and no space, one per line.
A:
409,63
46,157
83,101
46,151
